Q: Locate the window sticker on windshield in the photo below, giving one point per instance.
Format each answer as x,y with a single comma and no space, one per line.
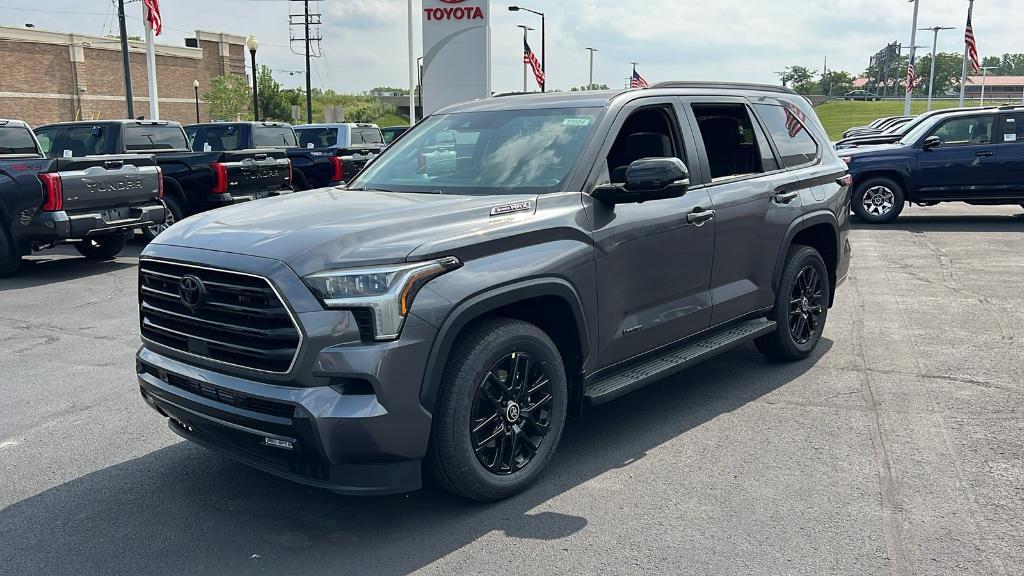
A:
1009,137
576,122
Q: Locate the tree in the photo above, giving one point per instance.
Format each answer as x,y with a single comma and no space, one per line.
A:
229,97
389,90
798,76
273,104
584,88
948,67
835,82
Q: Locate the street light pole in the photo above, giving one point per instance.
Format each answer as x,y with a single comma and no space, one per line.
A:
590,85
526,40
543,41
913,53
195,84
253,45
935,44
984,73
412,73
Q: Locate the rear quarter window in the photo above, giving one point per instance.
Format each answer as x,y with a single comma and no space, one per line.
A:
795,144
154,137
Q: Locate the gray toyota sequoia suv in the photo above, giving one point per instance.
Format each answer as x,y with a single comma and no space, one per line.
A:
505,263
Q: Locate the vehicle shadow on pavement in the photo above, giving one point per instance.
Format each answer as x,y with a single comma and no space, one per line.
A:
184,510
65,265
951,223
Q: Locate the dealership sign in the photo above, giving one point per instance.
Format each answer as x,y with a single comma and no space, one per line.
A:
456,13
456,52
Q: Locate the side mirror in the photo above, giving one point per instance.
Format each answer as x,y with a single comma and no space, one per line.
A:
647,179
931,142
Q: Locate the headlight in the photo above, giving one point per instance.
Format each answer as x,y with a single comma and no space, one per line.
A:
387,291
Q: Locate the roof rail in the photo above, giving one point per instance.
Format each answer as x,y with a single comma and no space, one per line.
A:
1011,106
729,85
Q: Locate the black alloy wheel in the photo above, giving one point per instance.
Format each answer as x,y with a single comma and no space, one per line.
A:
806,305
511,413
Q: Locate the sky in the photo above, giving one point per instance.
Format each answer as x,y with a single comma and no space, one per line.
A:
740,40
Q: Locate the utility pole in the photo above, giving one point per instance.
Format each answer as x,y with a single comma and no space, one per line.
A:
590,85
963,75
126,63
913,53
412,74
307,19
935,44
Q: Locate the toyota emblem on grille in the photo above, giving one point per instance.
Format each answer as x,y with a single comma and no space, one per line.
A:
192,292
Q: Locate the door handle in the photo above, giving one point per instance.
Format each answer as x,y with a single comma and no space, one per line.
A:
699,216
783,197
983,154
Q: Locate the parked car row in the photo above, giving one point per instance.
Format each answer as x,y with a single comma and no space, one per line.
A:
91,184
878,126
972,155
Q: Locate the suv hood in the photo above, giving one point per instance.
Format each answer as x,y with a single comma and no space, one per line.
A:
333,228
869,150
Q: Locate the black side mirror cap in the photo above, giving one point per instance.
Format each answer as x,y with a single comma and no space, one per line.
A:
647,179
931,142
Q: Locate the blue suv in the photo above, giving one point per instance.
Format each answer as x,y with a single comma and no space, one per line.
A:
972,156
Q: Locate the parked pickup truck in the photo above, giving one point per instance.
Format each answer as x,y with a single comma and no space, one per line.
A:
92,201
193,181
359,143
312,167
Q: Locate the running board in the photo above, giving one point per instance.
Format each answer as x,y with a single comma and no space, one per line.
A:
667,363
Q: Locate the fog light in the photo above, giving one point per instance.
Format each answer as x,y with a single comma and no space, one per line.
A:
278,443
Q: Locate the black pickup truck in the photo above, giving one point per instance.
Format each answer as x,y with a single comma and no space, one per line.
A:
193,181
92,201
313,167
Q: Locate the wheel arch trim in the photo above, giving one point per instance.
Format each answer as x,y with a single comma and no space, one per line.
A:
799,225
480,304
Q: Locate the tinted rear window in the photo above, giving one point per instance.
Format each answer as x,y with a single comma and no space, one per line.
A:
796,145
154,137
274,136
16,140
220,138
318,137
85,140
366,136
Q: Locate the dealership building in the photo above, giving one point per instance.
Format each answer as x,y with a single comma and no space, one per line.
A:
59,76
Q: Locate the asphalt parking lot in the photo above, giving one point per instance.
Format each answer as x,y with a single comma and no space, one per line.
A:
897,449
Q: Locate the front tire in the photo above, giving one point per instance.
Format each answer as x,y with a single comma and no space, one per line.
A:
105,247
801,307
879,200
501,410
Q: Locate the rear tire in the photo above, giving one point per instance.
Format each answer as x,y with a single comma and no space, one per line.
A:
103,247
501,410
801,307
174,215
10,259
878,200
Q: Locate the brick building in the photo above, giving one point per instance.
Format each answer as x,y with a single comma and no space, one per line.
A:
50,76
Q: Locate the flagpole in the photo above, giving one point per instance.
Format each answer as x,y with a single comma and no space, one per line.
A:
412,73
154,98
963,75
913,52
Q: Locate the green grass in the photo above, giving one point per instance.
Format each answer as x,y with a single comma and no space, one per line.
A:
392,120
840,115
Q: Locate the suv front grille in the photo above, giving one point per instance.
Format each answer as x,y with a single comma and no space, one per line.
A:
241,321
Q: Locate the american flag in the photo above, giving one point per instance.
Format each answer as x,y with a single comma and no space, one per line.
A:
972,45
637,81
530,58
153,15
911,76
794,121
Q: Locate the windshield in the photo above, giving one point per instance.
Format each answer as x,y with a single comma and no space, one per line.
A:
154,137
318,137
273,136
366,136
918,131
503,152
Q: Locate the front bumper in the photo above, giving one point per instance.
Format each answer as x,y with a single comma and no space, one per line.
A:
61,226
369,439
